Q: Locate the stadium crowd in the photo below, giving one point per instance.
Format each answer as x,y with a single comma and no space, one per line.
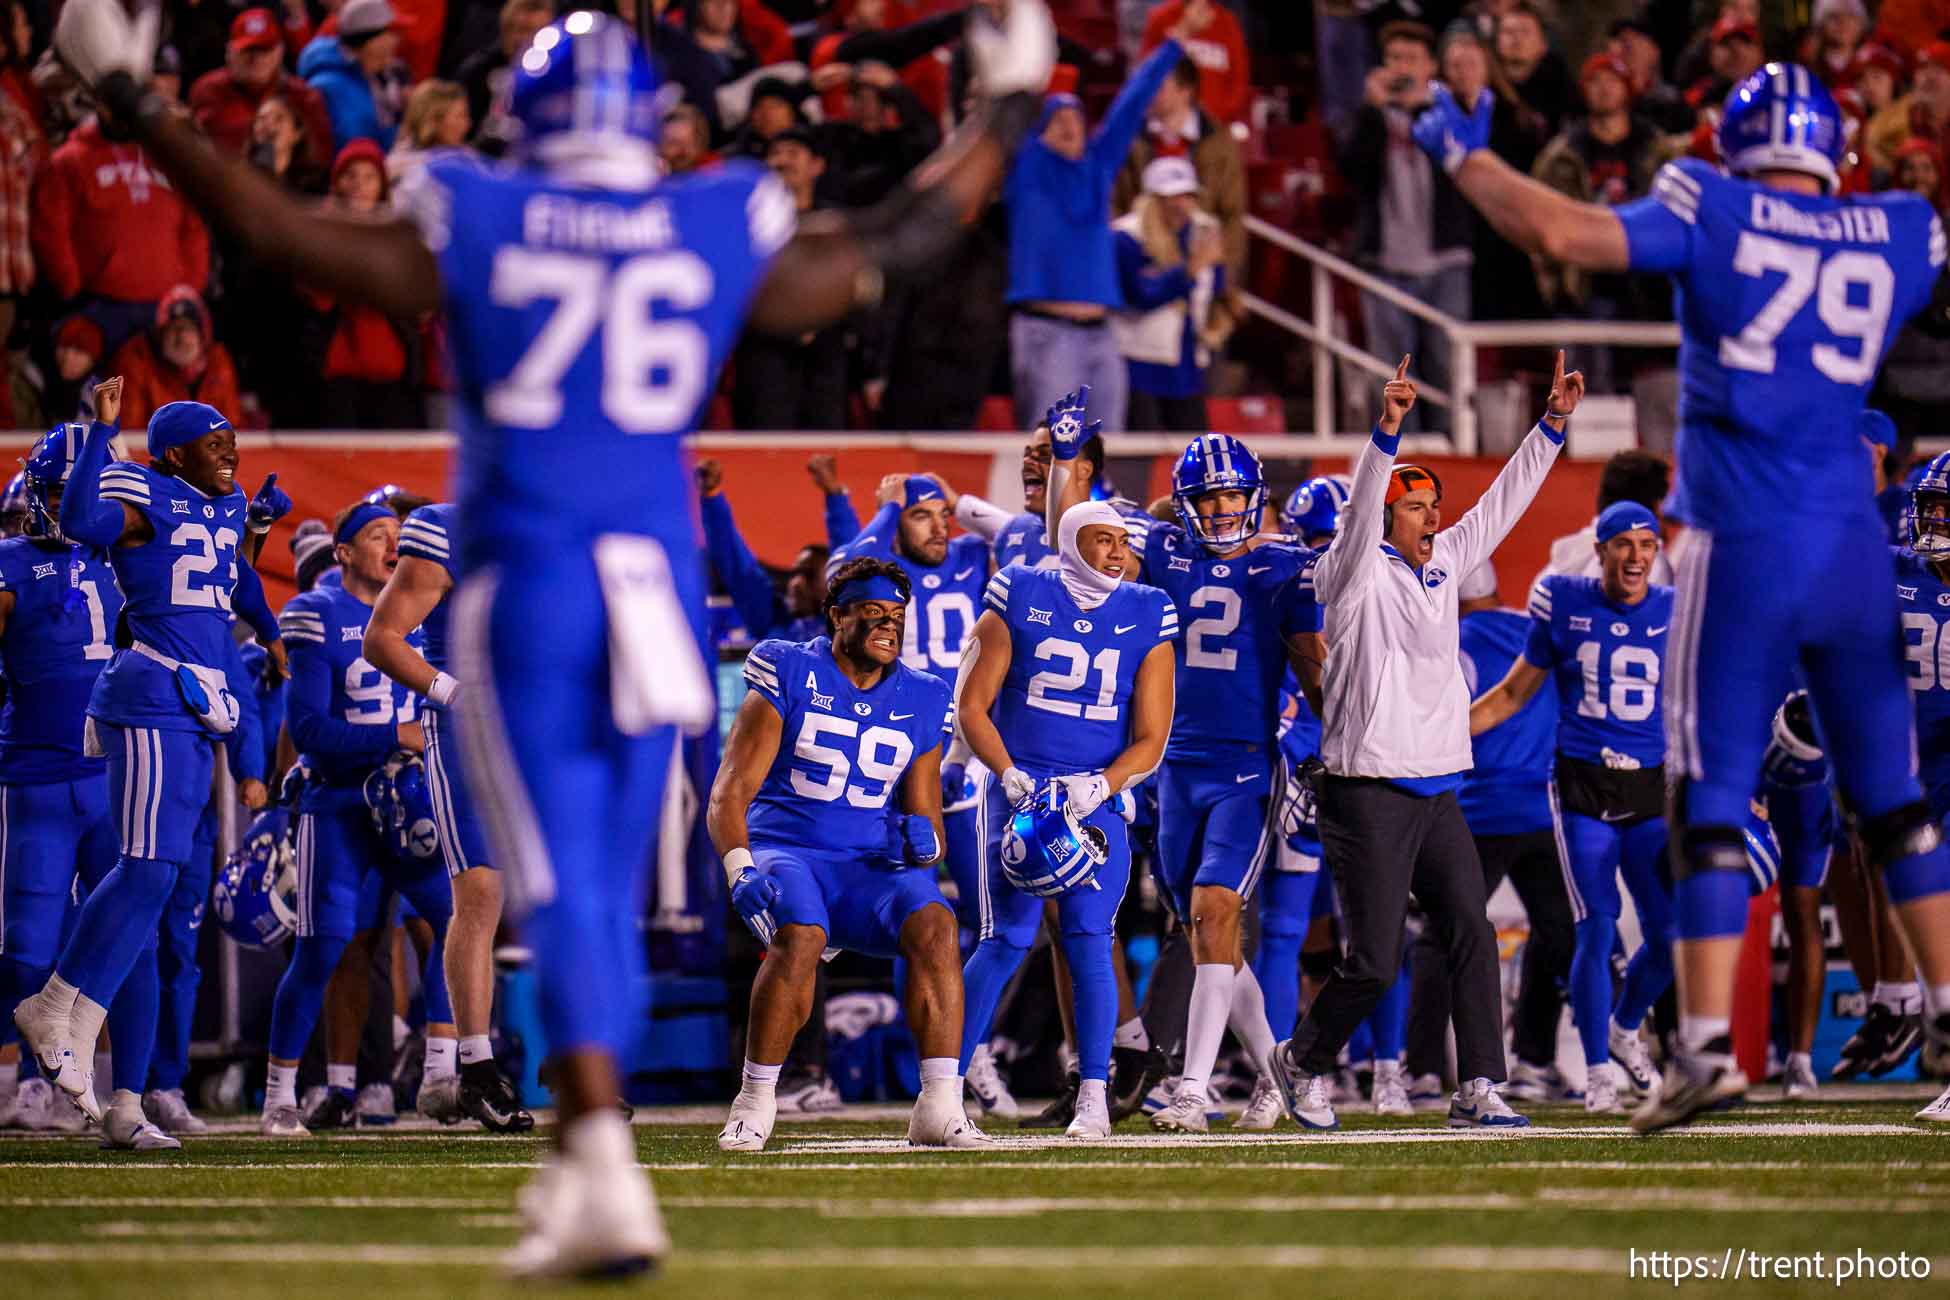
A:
1091,263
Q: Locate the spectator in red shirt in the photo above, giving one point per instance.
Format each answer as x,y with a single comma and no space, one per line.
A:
870,36
225,101
109,233
174,360
1216,44
369,359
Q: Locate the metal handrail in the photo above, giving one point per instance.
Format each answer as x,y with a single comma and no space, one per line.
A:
1465,337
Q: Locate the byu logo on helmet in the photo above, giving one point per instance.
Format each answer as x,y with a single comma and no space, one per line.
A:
402,808
1781,118
1314,508
1047,850
1218,462
255,895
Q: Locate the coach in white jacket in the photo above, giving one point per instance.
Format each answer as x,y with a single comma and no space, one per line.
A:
1395,743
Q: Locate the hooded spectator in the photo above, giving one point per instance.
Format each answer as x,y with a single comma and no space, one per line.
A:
1215,44
436,118
175,360
1171,265
486,72
370,361
110,234
357,72
1177,127
225,101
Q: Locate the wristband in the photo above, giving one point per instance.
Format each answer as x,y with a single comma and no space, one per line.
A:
736,863
443,690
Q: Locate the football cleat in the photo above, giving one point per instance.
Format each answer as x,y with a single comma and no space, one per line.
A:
1869,1043
1635,1068
337,1108
1391,1090
1059,1112
1263,1108
1601,1091
40,1107
590,1212
986,1085
46,1024
941,1122
1186,1114
490,1098
1691,1088
749,1126
1479,1104
376,1106
1161,1094
1425,1092
1304,1095
1800,1083
1938,1111
809,1094
126,1128
1540,1084
440,1099
1134,1075
1905,1036
283,1122
170,1113
1092,1122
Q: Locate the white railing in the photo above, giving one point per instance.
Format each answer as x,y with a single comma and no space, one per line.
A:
1465,337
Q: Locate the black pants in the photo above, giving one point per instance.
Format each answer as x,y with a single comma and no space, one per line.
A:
1530,861
1381,843
1150,413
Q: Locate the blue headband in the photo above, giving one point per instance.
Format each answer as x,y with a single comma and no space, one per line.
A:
1878,428
875,586
921,488
1623,517
176,423
1053,104
362,514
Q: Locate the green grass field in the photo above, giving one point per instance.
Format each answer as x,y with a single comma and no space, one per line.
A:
841,1208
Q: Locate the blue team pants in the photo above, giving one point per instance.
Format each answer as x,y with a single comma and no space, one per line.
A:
1594,853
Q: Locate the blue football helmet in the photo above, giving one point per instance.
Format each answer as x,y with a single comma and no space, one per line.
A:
1929,534
580,81
255,896
1047,849
1217,462
47,468
1781,118
1314,508
13,506
1794,757
401,805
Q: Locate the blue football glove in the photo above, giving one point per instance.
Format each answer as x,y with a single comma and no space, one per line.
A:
753,894
1068,430
911,839
267,507
954,784
1449,135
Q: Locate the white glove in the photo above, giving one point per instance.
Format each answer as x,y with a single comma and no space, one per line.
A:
1086,792
1017,785
1014,55
98,37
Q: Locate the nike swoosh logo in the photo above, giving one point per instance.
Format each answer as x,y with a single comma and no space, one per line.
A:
1654,631
1261,569
963,575
1126,627
1244,777
217,425
1610,817
898,717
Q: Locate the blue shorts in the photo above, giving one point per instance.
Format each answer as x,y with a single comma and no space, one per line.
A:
158,787
1008,912
861,908
1217,823
49,834
463,844
346,874
1750,610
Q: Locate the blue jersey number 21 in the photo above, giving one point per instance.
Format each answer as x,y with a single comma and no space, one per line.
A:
653,371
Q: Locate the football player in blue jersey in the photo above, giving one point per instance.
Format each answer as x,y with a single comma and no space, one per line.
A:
347,720
590,304
766,612
1788,295
1603,640
1069,680
415,597
1245,613
1801,812
1312,511
157,711
818,853
910,529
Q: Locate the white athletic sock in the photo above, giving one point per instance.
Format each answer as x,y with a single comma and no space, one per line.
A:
1212,984
1695,1032
941,1074
1908,998
600,1137
1248,1017
60,992
281,1087
85,1025
343,1077
761,1080
1885,995
441,1059
475,1048
401,1032
1091,1091
1939,1004
1803,1059
1132,1036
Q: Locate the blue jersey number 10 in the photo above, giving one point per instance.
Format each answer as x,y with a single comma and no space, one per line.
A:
653,371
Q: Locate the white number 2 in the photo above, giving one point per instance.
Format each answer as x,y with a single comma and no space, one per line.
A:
1633,696
209,547
1072,678
1219,625
653,370
1829,283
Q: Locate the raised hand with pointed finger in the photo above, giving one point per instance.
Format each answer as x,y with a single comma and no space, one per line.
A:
267,507
1397,399
1567,390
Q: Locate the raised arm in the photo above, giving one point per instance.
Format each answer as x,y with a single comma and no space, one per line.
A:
1125,116
752,592
842,520
91,511
1070,426
1490,520
417,586
1355,552
1501,702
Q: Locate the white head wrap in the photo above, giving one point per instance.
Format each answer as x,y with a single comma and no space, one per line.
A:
1087,586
